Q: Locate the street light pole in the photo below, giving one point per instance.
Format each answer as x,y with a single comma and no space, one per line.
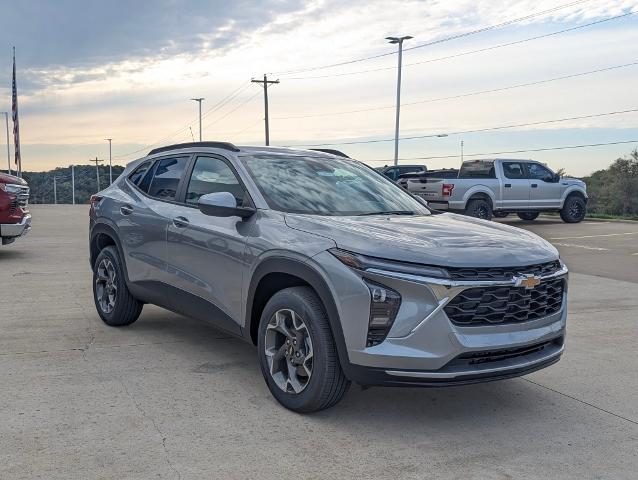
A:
399,41
199,101
110,161
6,120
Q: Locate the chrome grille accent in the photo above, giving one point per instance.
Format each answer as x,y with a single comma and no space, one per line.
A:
503,273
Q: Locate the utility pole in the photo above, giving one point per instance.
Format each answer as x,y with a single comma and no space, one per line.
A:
266,83
199,101
97,171
73,184
6,120
110,161
461,151
55,190
399,41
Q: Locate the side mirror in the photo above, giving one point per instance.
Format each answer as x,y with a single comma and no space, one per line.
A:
556,178
222,204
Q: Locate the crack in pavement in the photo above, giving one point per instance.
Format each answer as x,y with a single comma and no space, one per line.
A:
157,429
581,401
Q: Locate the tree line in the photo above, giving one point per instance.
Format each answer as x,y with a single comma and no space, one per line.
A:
612,191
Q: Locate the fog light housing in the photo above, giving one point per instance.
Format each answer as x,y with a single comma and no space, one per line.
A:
384,306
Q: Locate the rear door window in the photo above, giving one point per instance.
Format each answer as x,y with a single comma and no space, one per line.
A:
138,173
166,178
514,170
477,169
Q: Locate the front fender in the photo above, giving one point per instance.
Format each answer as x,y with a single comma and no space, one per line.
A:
573,189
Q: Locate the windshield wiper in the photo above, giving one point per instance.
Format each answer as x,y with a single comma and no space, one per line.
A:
389,212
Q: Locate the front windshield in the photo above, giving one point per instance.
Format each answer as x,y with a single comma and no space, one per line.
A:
328,186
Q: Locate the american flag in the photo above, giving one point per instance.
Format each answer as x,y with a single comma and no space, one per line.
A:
14,112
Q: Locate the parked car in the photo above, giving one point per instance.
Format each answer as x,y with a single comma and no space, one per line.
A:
484,188
15,219
334,272
394,172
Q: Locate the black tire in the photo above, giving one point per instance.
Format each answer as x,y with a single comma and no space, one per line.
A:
327,383
574,209
479,208
126,309
528,216
500,214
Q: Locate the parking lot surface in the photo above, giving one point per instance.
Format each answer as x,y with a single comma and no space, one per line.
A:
170,397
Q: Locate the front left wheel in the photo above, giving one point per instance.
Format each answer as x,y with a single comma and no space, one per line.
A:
297,352
115,304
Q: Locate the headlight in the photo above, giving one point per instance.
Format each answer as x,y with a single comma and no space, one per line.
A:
362,262
384,306
10,188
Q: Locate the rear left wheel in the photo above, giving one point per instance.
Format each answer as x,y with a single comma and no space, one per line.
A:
479,208
297,352
115,304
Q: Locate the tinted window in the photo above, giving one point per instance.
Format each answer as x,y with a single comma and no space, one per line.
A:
477,169
327,186
145,183
391,173
139,172
403,170
538,172
211,175
167,176
513,170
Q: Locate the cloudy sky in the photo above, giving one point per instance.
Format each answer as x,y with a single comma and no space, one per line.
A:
88,70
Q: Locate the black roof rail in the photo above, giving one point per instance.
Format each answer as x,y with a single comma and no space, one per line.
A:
224,145
331,152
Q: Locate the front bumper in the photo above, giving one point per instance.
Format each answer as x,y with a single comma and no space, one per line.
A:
424,347
13,230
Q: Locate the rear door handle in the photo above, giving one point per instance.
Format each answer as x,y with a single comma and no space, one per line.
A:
508,185
534,185
181,222
126,209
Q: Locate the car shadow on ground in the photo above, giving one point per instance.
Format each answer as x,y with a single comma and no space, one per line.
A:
508,400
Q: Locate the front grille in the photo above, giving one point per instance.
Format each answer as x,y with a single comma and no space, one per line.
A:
13,207
503,273
491,356
505,305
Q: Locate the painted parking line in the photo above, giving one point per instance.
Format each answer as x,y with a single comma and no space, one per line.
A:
586,247
594,236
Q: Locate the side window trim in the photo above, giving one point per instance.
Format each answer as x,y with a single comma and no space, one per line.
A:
189,171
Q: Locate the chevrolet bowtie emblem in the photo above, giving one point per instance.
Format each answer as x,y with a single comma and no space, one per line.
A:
527,281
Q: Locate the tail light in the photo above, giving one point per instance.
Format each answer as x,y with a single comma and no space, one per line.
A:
447,188
95,201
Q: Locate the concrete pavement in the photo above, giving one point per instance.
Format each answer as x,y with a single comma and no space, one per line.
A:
170,397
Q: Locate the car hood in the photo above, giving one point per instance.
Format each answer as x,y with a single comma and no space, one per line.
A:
6,178
443,239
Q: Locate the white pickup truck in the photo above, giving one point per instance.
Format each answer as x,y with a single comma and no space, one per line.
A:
497,187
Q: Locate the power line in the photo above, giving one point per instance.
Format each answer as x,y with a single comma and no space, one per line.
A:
233,110
463,95
470,52
477,130
435,42
545,149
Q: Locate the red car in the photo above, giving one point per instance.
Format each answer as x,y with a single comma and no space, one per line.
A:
15,219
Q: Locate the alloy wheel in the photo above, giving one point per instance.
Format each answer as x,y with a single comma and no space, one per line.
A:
106,285
288,350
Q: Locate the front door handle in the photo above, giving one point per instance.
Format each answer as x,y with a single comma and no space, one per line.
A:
534,185
181,222
508,185
126,209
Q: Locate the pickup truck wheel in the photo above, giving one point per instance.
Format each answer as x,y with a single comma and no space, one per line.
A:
115,304
297,352
574,209
479,208
501,214
528,216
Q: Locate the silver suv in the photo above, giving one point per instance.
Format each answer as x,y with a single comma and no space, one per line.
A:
337,274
